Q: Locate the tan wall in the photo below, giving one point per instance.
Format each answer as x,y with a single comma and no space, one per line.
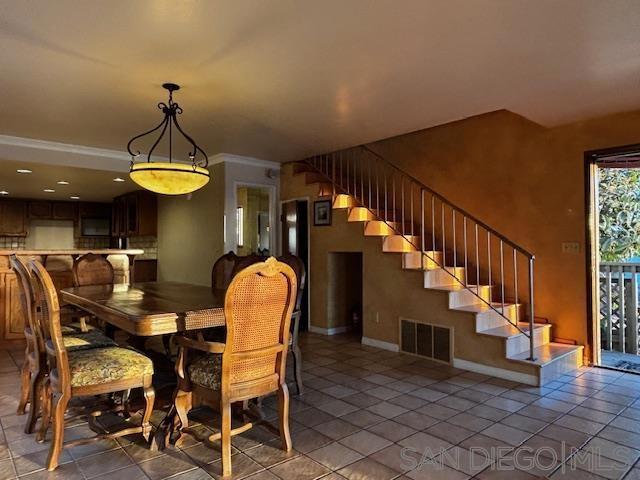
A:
190,232
524,180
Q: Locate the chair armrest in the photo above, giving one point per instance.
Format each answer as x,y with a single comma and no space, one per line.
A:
202,345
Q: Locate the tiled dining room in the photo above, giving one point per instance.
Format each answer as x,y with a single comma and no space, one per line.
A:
319,240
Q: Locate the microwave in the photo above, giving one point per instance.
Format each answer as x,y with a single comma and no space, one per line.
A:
95,227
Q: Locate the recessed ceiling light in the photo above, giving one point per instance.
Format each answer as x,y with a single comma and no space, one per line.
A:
74,197
49,190
4,192
24,170
62,182
118,179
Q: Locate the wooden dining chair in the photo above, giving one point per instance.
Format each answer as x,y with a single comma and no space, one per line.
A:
252,362
34,368
297,266
85,372
222,271
92,269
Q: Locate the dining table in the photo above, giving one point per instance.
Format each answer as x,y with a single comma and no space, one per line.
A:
151,309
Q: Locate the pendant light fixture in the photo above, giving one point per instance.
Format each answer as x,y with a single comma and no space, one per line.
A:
169,178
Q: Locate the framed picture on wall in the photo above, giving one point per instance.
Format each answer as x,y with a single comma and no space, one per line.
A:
322,213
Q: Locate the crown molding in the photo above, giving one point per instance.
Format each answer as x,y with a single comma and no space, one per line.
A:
32,150
241,160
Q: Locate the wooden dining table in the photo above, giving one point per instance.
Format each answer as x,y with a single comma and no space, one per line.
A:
150,309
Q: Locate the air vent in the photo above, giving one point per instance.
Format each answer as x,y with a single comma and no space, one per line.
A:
426,340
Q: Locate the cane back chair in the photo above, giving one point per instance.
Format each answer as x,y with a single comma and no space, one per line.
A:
297,265
34,368
84,373
252,362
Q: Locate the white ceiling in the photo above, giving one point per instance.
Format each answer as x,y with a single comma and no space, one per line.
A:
280,80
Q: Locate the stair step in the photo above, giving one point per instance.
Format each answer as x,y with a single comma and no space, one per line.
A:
325,190
447,276
343,200
400,244
428,260
360,214
508,330
314,177
550,353
470,296
378,228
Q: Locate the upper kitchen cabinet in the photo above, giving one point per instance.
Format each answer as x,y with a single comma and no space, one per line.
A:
135,214
47,210
13,218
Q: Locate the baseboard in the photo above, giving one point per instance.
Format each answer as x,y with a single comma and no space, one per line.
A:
525,378
372,342
328,331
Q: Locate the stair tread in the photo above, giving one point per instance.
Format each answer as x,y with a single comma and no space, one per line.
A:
482,307
454,287
545,354
507,330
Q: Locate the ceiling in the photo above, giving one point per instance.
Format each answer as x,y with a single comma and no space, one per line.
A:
88,184
281,80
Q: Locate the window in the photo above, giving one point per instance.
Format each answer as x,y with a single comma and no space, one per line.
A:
240,226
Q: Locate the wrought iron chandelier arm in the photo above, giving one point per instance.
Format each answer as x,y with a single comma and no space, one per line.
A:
143,135
196,148
155,144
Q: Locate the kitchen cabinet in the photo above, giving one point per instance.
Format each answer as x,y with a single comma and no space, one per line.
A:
40,209
145,270
64,211
135,214
13,221
12,312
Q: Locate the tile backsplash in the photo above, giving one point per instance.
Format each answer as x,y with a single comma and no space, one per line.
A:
90,243
148,244
13,243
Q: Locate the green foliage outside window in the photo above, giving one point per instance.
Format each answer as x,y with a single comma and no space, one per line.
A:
619,201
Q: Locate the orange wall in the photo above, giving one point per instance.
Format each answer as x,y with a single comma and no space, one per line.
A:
527,182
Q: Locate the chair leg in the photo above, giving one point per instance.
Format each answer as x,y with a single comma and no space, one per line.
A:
283,412
36,399
166,342
225,436
25,382
149,396
297,367
183,402
59,407
45,390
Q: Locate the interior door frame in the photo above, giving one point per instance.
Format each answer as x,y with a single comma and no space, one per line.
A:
592,245
273,218
308,272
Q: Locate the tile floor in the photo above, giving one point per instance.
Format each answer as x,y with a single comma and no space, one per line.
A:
373,414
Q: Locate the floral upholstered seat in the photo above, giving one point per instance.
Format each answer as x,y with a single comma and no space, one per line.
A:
206,370
75,327
103,365
84,341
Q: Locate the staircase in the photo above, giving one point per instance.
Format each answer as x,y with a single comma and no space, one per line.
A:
483,273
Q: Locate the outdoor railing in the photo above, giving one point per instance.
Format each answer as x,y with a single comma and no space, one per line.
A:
472,253
619,306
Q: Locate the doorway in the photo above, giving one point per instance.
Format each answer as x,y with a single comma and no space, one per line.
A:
613,256
344,292
294,233
253,221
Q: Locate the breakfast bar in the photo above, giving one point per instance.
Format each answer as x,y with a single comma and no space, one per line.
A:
58,263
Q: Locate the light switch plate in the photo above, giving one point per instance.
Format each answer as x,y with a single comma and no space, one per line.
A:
570,247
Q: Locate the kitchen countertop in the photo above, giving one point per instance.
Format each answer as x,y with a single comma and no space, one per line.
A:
100,251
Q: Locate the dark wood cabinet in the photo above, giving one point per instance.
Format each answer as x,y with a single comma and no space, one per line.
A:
145,270
64,211
135,214
13,218
40,209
